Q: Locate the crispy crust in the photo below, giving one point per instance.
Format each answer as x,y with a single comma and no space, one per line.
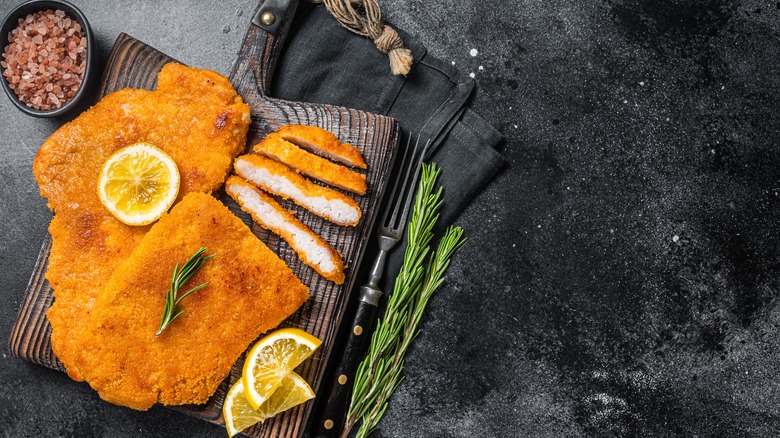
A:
250,291
195,116
243,193
247,165
323,143
311,165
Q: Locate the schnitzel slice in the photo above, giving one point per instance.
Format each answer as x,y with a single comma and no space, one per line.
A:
195,116
323,143
278,149
250,291
280,180
310,247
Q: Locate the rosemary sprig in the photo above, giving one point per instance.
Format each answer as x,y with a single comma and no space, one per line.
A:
172,309
381,371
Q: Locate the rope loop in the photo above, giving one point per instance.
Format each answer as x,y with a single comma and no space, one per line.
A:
370,24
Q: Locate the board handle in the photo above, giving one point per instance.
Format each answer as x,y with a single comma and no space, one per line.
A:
262,45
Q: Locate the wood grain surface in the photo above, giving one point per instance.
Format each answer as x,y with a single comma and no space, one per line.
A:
135,64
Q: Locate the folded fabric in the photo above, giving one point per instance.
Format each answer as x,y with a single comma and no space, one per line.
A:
325,63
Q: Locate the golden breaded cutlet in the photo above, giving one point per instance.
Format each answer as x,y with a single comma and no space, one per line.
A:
279,179
194,115
310,247
323,143
313,166
250,291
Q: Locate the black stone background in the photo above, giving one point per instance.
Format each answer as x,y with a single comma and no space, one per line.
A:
622,272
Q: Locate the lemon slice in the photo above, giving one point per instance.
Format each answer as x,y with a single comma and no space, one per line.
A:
239,414
273,358
138,184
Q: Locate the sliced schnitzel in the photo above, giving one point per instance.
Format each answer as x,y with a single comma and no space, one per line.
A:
250,291
195,116
323,143
310,247
313,166
279,179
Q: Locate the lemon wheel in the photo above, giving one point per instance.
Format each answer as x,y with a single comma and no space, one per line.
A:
273,358
138,184
239,414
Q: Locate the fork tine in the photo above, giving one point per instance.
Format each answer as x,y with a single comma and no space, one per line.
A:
393,199
399,198
410,187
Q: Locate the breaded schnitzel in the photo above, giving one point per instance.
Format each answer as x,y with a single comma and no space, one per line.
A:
195,116
323,143
310,247
279,179
313,166
250,291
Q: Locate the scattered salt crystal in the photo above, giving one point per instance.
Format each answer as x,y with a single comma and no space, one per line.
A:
474,52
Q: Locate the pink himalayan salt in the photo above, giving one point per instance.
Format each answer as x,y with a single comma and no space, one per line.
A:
45,59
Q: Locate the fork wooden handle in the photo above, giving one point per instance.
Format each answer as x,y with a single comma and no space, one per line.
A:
334,411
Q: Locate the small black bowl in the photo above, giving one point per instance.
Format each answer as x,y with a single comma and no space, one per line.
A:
10,23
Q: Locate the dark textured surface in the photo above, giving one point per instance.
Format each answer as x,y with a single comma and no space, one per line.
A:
621,273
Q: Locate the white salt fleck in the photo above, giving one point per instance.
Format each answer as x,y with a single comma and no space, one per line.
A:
539,226
515,126
625,101
667,119
453,62
675,238
481,68
642,83
472,75
474,52
723,87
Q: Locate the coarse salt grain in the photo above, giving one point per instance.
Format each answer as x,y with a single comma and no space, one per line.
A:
45,59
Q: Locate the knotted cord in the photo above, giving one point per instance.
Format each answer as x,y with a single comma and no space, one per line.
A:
370,24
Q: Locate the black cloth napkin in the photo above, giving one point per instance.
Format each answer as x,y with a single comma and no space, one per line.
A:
325,63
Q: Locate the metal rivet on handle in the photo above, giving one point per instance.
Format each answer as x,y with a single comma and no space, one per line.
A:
328,424
342,379
268,18
358,330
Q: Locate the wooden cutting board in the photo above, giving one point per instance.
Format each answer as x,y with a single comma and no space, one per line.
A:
135,64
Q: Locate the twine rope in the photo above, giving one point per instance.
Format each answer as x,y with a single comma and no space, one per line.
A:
370,25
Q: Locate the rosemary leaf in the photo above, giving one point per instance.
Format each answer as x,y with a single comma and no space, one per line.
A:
381,371
172,308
